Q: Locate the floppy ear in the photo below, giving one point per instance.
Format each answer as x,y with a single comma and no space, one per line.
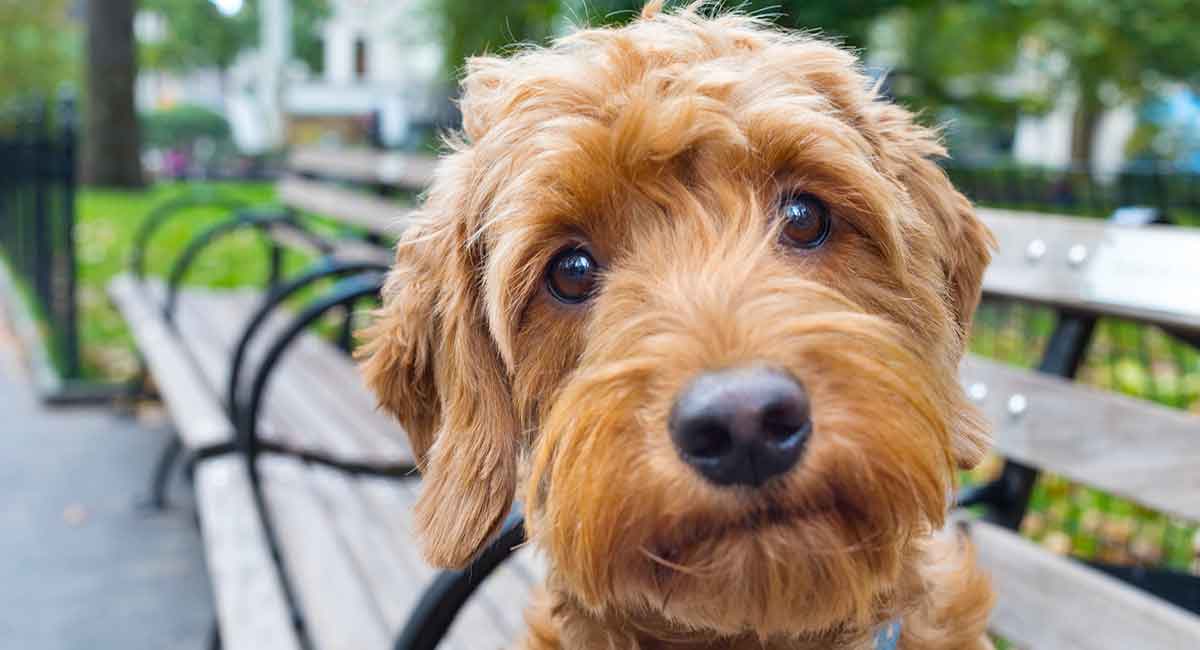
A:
965,258
910,150
431,361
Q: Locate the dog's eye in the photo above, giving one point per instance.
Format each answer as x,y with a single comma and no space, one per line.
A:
571,275
806,221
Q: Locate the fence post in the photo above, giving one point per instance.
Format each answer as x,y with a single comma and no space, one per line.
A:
68,304
40,171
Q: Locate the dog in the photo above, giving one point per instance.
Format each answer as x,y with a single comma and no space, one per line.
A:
697,292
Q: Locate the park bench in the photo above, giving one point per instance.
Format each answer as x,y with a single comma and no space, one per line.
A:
1084,271
308,529
291,463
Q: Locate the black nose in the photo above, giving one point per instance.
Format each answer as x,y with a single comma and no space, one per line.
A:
741,426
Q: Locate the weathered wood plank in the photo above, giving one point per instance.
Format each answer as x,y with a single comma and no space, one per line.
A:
340,613
1047,601
475,627
195,409
378,215
342,248
507,592
1126,446
391,582
315,395
1145,273
252,609
402,170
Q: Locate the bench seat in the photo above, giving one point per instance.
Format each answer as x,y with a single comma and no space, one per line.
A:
1048,601
346,541
250,601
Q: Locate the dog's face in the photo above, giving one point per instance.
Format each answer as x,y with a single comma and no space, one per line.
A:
713,290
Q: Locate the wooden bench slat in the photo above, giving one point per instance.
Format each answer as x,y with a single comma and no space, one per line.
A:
1145,273
314,378
339,612
342,249
378,215
306,399
392,583
1126,446
199,418
403,170
1047,601
252,609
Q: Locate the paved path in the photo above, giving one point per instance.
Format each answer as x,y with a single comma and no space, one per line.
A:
80,566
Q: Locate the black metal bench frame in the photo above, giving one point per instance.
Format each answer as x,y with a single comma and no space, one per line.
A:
354,281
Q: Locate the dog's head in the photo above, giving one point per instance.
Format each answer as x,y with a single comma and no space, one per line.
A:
713,289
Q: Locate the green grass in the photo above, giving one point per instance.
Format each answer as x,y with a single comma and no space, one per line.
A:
107,223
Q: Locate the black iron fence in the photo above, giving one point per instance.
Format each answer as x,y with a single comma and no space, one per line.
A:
37,219
1175,194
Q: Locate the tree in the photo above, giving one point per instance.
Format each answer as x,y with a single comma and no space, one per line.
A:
1095,54
1116,51
111,140
36,49
198,35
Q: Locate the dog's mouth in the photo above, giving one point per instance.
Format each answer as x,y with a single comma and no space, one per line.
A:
695,533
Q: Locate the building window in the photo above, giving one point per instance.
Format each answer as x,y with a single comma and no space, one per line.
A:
360,59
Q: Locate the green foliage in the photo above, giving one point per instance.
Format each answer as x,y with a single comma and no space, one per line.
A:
1102,52
470,27
199,35
181,125
37,47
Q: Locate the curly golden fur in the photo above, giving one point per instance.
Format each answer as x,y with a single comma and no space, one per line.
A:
663,147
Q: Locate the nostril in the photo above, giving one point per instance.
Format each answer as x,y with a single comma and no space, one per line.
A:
706,438
785,424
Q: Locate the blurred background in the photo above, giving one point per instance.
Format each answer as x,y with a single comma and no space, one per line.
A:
1074,106
110,107
1100,86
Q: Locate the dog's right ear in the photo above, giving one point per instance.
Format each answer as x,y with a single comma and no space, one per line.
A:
398,346
431,360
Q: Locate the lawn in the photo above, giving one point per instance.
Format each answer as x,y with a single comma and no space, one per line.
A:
107,222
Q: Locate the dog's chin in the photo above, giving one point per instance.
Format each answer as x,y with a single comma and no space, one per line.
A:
775,571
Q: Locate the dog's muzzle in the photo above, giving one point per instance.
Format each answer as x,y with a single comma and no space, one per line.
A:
741,426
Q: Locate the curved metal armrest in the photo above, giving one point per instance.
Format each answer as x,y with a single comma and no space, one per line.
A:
261,220
164,212
343,294
324,268
450,590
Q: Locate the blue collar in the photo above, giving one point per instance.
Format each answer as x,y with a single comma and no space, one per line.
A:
888,636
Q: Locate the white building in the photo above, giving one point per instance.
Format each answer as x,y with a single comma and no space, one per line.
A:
380,55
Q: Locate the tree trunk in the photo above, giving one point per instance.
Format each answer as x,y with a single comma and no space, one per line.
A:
111,139
1087,116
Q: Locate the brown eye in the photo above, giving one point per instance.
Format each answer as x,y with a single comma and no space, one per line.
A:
806,221
571,275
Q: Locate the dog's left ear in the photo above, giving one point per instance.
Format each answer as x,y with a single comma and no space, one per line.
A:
431,361
910,151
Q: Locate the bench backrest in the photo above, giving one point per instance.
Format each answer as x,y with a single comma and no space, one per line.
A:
1131,448
319,181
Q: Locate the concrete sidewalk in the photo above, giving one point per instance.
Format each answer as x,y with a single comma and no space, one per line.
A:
81,567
